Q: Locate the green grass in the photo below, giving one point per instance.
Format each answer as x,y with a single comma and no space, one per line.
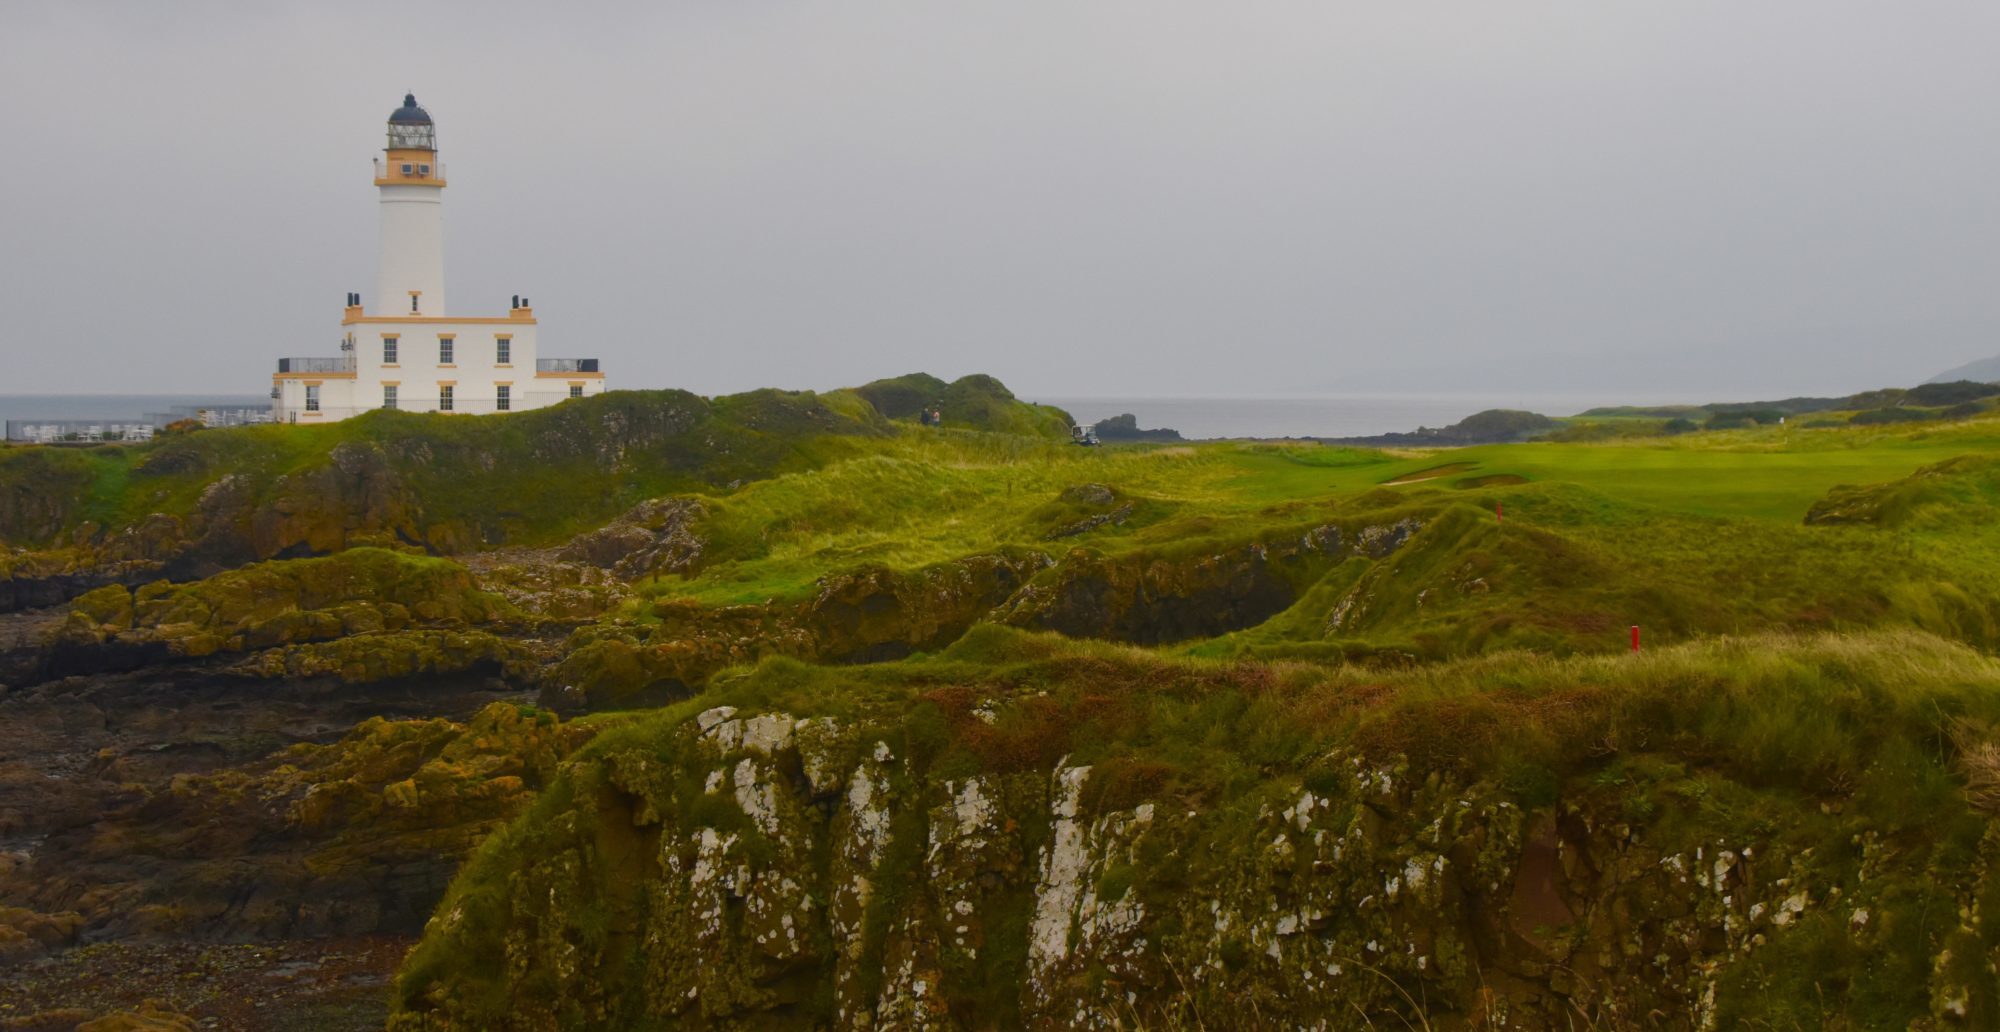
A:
1699,534
1686,536
1735,740
1804,682
527,478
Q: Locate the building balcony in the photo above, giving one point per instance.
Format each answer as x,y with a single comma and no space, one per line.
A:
565,365
296,366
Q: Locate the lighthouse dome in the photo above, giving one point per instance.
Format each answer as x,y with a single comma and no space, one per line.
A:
410,127
409,113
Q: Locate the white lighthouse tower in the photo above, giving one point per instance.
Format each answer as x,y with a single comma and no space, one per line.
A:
405,351
410,274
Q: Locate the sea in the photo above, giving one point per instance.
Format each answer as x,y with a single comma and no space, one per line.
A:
1341,415
1338,415
113,407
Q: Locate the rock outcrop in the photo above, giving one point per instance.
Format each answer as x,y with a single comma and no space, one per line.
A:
349,596
1125,427
928,864
866,615
354,836
655,537
1148,598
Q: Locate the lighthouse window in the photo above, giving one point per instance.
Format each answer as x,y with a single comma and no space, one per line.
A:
444,351
576,390
388,351
312,397
423,170
388,395
503,351
503,398
406,170
444,397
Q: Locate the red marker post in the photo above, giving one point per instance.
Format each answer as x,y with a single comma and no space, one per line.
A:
1499,512
1635,637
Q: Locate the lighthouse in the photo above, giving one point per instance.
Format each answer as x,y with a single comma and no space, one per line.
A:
409,276
402,349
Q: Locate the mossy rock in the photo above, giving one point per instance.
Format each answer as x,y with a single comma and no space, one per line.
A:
359,592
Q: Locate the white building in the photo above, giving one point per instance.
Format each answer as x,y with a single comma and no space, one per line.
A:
406,351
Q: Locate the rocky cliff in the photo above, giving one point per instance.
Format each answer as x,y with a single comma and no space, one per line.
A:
1035,836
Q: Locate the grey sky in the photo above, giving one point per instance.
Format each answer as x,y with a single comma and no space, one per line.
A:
1706,197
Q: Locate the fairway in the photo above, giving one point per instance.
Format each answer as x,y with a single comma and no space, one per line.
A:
1766,474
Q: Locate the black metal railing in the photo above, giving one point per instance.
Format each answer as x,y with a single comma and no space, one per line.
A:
342,364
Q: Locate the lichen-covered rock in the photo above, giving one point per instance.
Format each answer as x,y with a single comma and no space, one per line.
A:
355,836
951,858
368,658
655,537
355,593
25,934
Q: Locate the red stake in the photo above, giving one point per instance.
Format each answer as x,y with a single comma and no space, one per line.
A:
1635,637
1499,512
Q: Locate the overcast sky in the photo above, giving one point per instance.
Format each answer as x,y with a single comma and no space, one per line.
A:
1129,197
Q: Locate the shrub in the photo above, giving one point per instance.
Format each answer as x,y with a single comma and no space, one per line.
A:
1954,393
1874,417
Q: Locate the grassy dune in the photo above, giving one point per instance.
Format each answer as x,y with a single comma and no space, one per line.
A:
1691,535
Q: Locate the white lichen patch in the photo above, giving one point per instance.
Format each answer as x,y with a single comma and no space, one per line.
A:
1063,865
868,813
818,744
769,734
758,796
